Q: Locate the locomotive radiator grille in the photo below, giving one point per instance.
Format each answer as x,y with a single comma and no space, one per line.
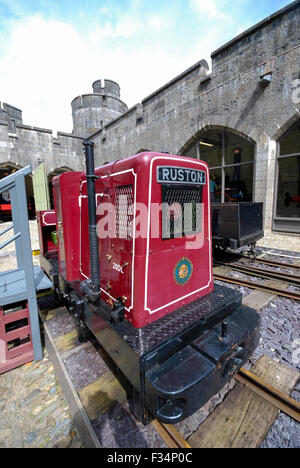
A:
181,210
124,212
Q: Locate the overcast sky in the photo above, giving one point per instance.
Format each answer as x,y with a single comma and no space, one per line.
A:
53,50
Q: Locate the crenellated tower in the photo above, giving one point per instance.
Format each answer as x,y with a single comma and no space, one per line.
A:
93,111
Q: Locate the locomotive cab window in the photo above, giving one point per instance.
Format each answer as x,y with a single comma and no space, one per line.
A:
181,210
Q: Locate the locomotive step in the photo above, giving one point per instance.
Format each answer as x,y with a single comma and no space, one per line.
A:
188,379
178,362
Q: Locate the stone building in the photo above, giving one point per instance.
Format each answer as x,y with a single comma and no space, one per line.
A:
242,118
22,145
93,111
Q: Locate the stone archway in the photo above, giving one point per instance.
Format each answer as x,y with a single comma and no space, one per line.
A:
7,168
230,156
286,213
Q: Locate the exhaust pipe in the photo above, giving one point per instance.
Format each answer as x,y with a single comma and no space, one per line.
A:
91,287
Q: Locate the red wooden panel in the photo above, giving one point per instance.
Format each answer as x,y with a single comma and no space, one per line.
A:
14,316
2,330
18,350
16,362
18,333
20,353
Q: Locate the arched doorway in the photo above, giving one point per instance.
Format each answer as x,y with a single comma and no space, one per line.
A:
230,158
287,183
6,169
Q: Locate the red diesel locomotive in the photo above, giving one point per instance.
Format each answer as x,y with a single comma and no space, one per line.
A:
132,261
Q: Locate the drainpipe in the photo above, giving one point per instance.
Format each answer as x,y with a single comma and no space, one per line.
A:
91,287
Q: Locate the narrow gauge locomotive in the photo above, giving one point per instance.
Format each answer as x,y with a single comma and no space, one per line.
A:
133,264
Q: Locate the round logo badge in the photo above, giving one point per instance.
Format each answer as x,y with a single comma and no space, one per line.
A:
183,271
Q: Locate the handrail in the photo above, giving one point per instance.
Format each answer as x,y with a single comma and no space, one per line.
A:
7,187
10,179
15,183
4,244
6,230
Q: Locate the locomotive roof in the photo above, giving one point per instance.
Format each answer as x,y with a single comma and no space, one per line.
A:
140,161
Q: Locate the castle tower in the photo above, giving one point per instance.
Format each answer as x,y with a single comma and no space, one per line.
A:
11,116
92,111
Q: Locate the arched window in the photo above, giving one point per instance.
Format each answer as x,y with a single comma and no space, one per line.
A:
230,159
287,188
5,208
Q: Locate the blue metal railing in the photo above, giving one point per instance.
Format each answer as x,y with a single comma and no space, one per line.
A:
15,184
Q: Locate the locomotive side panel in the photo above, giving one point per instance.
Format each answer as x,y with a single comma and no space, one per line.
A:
136,255
180,257
114,200
66,201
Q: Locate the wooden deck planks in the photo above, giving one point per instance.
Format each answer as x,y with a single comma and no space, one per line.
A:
244,418
67,341
98,397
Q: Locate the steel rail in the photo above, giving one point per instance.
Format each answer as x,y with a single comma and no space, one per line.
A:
270,262
280,400
170,435
277,398
254,271
263,287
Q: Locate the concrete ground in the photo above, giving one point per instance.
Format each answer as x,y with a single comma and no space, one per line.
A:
276,240
7,254
33,412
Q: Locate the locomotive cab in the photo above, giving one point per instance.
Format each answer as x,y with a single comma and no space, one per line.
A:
135,253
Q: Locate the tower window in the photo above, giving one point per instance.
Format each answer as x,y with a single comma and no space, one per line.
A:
12,125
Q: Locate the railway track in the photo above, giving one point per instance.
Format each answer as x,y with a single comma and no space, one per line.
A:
232,257
255,271
273,263
170,435
245,265
283,402
263,287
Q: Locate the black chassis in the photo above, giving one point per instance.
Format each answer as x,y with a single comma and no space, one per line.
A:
175,364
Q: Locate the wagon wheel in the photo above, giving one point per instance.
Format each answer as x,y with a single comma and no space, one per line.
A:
222,245
252,251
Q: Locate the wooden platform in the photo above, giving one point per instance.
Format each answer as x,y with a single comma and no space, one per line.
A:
13,284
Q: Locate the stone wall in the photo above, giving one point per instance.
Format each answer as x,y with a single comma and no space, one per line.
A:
236,96
31,145
10,115
232,97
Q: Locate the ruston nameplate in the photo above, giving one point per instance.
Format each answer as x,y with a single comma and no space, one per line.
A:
180,175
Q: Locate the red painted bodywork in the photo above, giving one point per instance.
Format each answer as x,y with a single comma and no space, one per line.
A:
139,270
46,221
5,209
